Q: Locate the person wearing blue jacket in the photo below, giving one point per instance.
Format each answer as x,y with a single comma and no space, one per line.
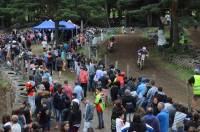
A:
163,117
141,90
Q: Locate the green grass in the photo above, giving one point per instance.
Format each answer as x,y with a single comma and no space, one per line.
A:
181,72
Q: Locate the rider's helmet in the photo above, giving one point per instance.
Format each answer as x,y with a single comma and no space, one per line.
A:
144,48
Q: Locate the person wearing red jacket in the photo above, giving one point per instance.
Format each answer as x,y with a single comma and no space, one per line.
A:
83,79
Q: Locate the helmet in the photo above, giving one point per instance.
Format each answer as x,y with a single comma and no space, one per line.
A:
144,48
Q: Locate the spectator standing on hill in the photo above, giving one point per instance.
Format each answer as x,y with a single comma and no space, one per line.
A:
88,114
116,111
151,120
30,86
129,103
78,90
100,107
105,82
137,124
92,71
163,118
83,79
75,117
15,126
151,92
68,89
60,102
194,81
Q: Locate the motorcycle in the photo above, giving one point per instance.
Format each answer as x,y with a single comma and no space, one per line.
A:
110,46
140,62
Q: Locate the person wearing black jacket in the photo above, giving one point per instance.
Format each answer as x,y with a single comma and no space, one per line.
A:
115,91
129,103
60,102
137,125
75,117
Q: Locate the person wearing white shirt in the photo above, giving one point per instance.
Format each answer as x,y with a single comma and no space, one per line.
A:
15,126
120,122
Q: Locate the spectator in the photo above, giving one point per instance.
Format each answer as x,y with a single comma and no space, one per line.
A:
129,103
194,122
154,105
151,120
115,91
30,86
163,118
117,109
88,116
179,118
151,92
79,91
35,127
65,127
120,122
141,90
100,107
44,116
171,109
6,120
59,64
91,76
83,79
194,81
105,82
137,124
161,96
75,117
68,89
15,126
60,102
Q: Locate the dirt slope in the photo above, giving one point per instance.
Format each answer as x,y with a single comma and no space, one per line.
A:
125,54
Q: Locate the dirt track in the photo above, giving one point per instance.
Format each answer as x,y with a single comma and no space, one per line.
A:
125,54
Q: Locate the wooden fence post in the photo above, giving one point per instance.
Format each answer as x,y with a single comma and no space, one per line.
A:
116,64
127,70
105,60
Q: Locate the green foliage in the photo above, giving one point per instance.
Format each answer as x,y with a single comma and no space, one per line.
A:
21,11
91,11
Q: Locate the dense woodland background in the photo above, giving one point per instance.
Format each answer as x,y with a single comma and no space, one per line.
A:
103,13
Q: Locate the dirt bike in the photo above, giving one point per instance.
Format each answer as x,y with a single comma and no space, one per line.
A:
141,59
110,46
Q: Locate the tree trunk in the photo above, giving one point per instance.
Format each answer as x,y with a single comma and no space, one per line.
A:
174,24
107,15
149,20
56,32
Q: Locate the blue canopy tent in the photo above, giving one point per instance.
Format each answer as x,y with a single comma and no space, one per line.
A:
77,27
63,26
67,25
45,25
